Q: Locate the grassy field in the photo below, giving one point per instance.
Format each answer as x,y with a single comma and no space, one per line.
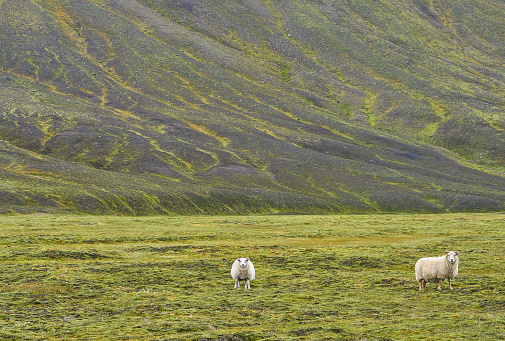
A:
318,278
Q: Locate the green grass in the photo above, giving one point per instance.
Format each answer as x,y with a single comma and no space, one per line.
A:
318,278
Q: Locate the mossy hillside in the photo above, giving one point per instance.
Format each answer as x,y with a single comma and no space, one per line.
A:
188,91
318,277
404,68
32,183
343,186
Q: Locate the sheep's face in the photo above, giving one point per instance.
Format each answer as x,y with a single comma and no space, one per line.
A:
243,262
451,256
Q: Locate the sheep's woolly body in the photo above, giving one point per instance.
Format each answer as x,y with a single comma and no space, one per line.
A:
243,269
436,269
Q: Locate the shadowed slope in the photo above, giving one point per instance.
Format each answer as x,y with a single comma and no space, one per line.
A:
252,106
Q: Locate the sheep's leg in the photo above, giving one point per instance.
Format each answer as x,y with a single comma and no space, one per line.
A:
440,284
424,284
450,286
237,284
420,284
247,285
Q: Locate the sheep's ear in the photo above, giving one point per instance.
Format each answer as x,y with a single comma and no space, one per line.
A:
247,259
446,252
238,259
457,252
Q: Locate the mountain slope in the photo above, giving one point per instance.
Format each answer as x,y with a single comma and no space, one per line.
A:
251,106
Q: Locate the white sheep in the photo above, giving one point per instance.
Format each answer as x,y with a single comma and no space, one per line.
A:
242,269
436,269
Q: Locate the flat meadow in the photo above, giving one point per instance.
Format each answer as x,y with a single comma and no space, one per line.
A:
325,277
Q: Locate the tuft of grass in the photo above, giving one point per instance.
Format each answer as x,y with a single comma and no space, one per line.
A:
38,289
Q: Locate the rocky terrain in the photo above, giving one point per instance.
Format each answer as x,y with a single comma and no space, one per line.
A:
257,106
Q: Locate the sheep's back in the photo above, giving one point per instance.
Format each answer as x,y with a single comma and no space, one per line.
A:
427,268
432,268
251,272
235,270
